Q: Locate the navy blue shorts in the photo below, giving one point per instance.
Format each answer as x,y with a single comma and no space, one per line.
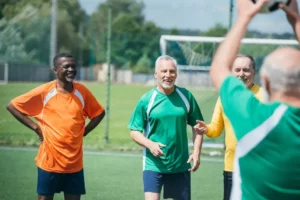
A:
176,186
52,182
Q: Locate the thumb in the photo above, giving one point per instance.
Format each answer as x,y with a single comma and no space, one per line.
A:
160,144
284,7
190,158
288,10
202,123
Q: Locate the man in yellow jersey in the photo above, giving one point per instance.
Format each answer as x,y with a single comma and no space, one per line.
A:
243,68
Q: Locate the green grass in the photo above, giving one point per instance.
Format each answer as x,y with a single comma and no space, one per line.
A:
122,102
107,177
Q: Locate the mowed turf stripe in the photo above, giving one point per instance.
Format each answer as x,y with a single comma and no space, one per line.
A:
102,153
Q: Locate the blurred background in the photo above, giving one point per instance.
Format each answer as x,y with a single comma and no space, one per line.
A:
116,43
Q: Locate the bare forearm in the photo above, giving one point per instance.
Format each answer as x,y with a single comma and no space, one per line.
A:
198,140
140,139
227,52
292,13
93,123
296,28
24,119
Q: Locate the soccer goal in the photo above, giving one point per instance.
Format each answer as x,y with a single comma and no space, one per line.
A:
3,73
194,54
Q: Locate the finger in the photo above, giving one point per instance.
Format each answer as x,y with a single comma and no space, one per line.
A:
161,145
193,167
160,152
293,6
155,154
190,159
196,167
202,129
285,8
201,123
289,11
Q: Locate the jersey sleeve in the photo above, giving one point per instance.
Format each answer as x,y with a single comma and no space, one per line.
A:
244,111
194,113
216,126
30,103
138,118
92,108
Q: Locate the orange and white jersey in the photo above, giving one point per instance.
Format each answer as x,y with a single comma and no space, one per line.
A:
62,120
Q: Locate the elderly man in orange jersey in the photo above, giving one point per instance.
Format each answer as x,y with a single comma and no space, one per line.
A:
60,108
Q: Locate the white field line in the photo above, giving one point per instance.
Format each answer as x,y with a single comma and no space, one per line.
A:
102,153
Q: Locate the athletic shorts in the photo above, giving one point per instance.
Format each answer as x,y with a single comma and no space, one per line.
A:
176,186
51,182
227,179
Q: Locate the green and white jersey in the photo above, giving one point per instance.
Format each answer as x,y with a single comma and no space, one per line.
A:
267,160
164,119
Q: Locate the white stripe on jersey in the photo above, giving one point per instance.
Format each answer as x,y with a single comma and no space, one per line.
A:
249,142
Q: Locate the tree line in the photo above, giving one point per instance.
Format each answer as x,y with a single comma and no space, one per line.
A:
25,33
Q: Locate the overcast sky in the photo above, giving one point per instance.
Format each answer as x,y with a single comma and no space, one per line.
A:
199,14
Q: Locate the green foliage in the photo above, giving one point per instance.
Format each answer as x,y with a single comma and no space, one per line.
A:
16,36
217,31
144,65
12,47
132,36
30,20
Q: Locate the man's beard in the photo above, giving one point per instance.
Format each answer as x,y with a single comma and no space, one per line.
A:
166,86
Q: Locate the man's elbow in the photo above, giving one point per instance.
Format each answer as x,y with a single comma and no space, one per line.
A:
10,107
213,133
132,134
101,116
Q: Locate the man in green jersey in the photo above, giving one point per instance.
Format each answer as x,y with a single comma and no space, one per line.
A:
267,164
163,114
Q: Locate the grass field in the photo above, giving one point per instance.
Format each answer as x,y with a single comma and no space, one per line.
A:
123,100
109,176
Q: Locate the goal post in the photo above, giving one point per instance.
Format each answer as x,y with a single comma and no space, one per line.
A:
188,42
194,54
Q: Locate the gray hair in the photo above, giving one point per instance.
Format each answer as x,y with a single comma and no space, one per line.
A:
164,57
252,61
284,79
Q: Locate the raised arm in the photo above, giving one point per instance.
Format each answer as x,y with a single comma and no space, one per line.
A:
229,48
292,14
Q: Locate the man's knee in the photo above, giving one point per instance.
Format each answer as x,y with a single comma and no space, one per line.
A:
72,197
152,196
42,197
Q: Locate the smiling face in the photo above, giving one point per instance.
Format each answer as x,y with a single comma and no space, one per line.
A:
166,75
243,69
65,69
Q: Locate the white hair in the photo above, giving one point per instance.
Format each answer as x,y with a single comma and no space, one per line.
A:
164,57
284,79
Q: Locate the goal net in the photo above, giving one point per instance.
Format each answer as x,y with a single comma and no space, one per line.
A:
3,73
194,54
